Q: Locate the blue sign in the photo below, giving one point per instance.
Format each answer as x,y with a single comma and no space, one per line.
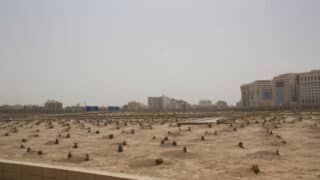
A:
92,108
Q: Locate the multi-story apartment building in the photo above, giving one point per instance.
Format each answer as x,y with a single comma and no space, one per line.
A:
257,94
309,88
285,90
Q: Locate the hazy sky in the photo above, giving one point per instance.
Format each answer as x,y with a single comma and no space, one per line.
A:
106,52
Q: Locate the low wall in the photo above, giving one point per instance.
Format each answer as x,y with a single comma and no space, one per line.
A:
13,170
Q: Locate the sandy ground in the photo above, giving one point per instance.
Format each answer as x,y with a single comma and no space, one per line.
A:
217,157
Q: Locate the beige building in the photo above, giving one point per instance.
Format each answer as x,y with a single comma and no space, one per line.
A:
166,103
257,94
309,88
285,90
53,106
134,106
205,103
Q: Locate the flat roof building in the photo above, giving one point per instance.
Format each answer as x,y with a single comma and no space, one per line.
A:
257,94
163,103
205,103
309,88
53,106
285,90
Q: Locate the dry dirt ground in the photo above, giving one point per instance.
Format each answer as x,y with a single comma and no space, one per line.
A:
284,146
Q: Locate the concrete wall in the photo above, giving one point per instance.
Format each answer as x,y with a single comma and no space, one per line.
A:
12,170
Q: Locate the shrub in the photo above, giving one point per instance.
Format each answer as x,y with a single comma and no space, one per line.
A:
23,140
28,149
110,136
75,145
202,138
69,155
154,137
57,141
189,128
22,146
120,148
166,138
185,149
132,131
162,142
174,143
159,161
241,145
40,153
68,135
255,168
87,158
277,152
210,125
216,133
124,143
6,134
97,132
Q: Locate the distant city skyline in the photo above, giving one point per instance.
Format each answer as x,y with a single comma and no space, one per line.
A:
111,52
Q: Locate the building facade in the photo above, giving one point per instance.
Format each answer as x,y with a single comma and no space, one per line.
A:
205,103
164,103
285,90
309,88
257,94
134,106
53,106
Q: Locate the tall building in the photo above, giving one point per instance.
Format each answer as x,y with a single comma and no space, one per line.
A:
288,90
157,103
309,88
53,106
245,95
285,90
257,94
